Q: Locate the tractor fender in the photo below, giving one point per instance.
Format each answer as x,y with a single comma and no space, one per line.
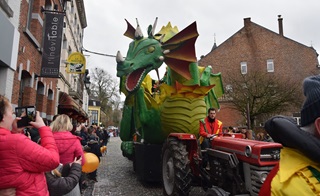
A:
183,136
190,139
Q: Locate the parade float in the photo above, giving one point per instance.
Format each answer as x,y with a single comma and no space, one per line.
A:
172,104
160,122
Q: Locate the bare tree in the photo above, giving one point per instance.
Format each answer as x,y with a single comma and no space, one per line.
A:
105,88
261,95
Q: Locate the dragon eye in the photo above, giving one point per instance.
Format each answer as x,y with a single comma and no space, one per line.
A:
151,49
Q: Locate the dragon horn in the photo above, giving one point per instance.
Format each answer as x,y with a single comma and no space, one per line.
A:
166,51
119,57
154,26
162,37
138,34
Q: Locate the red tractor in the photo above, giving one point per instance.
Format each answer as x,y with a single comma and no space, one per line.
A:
237,166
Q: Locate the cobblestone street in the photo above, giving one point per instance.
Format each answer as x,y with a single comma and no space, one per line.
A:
116,177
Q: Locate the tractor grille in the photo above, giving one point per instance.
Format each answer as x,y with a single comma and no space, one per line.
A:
270,154
254,176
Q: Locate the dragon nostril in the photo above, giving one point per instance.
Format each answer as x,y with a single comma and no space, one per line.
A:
131,65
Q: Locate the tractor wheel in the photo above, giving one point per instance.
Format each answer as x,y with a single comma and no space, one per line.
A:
176,176
216,191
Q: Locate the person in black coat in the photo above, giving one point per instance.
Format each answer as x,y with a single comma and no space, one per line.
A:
94,144
84,135
64,179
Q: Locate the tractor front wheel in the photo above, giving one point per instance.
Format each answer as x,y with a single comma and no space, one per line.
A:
176,176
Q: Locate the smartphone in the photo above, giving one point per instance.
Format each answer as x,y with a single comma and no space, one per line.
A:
27,114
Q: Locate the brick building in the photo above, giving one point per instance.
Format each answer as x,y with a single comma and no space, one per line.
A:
256,48
28,88
46,93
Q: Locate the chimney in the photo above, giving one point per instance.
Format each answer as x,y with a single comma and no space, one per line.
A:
247,21
280,25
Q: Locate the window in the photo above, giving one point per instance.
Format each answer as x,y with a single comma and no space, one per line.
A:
6,8
69,51
29,14
48,5
243,67
64,42
50,94
94,116
270,65
72,7
75,19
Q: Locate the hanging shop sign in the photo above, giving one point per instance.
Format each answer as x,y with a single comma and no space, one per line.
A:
76,63
52,39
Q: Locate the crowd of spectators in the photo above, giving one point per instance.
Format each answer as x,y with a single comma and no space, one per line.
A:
49,156
246,133
92,139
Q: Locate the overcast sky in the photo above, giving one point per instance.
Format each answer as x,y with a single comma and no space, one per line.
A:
223,18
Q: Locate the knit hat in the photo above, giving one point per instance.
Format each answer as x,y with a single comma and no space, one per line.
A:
311,107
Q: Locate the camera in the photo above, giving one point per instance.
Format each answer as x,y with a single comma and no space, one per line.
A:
27,114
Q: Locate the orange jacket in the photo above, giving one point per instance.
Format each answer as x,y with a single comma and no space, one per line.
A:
211,128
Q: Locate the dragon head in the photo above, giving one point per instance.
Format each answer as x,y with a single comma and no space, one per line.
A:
144,55
174,48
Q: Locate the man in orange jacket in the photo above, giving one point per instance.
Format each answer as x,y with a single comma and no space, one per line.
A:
209,127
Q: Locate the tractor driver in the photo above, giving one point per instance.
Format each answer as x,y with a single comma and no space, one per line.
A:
209,127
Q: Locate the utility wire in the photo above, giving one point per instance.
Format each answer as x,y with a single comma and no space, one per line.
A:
98,53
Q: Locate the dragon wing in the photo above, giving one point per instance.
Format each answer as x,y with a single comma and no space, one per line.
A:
130,30
216,92
182,50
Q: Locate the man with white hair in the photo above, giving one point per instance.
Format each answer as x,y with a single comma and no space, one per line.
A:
298,171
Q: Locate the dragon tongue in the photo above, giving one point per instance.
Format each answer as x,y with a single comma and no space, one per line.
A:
133,79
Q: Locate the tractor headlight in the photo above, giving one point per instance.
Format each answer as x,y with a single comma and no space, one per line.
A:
263,177
248,151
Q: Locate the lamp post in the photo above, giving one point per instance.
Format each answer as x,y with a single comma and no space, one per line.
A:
86,80
87,85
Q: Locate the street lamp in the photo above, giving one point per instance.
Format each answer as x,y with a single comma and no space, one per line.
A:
86,80
87,84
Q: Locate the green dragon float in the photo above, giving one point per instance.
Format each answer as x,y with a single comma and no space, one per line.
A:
172,104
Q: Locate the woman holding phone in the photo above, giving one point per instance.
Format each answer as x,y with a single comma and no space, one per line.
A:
23,162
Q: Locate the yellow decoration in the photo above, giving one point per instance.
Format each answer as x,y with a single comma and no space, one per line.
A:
103,149
168,32
76,63
147,84
91,162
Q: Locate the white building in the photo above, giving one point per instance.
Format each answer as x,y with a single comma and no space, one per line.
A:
9,44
